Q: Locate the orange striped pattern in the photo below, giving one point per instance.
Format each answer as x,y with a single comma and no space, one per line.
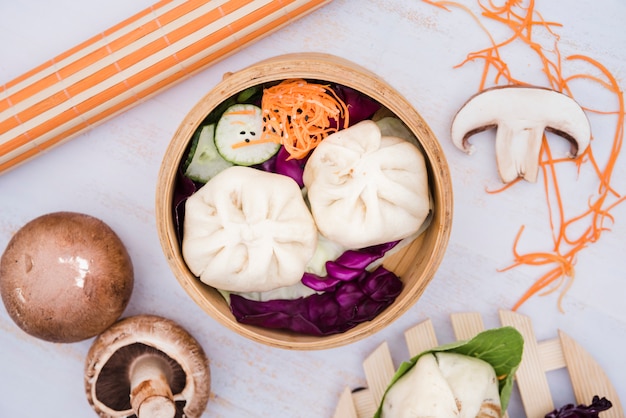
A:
127,63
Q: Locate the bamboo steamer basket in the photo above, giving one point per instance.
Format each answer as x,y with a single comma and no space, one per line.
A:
415,264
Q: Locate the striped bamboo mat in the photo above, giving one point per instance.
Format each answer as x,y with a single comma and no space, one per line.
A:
127,63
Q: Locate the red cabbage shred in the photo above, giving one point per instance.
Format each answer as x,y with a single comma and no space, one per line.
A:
582,411
348,266
346,305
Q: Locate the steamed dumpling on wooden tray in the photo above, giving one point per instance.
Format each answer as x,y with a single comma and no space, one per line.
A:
248,230
365,189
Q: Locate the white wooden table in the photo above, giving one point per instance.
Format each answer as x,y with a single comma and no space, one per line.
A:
110,172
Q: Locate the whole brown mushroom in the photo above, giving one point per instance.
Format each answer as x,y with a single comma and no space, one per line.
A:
65,277
147,366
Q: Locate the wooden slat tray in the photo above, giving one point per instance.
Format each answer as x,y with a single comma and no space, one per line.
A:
587,377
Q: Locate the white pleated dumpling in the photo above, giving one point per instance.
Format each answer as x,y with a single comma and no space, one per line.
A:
474,384
422,392
248,230
365,188
445,385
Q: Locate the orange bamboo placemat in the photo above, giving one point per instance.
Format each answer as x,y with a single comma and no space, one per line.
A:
127,63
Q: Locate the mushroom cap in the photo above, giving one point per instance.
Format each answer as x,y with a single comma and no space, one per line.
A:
65,277
153,333
521,115
528,106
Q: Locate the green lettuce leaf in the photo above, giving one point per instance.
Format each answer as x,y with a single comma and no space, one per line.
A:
500,347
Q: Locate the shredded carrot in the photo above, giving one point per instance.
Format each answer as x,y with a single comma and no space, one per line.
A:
242,112
506,186
570,233
299,115
250,142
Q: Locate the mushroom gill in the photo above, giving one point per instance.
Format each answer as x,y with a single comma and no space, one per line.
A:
148,366
115,376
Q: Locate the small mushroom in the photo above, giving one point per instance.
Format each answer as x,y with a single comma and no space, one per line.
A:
65,277
521,115
149,367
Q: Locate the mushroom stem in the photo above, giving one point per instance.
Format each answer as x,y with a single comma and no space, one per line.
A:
518,145
151,395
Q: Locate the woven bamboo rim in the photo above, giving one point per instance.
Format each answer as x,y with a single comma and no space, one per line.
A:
415,264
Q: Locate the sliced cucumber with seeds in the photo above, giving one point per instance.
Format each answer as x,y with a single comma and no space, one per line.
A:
238,136
206,161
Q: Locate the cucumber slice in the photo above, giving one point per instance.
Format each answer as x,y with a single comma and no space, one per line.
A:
206,161
237,132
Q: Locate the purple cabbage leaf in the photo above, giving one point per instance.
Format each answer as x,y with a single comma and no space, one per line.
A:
282,164
360,106
582,411
346,305
183,188
348,266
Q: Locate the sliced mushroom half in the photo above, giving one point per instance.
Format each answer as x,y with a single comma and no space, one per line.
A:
521,115
147,366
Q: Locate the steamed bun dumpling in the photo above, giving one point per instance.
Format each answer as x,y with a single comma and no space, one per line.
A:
445,385
473,383
421,393
365,189
247,230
